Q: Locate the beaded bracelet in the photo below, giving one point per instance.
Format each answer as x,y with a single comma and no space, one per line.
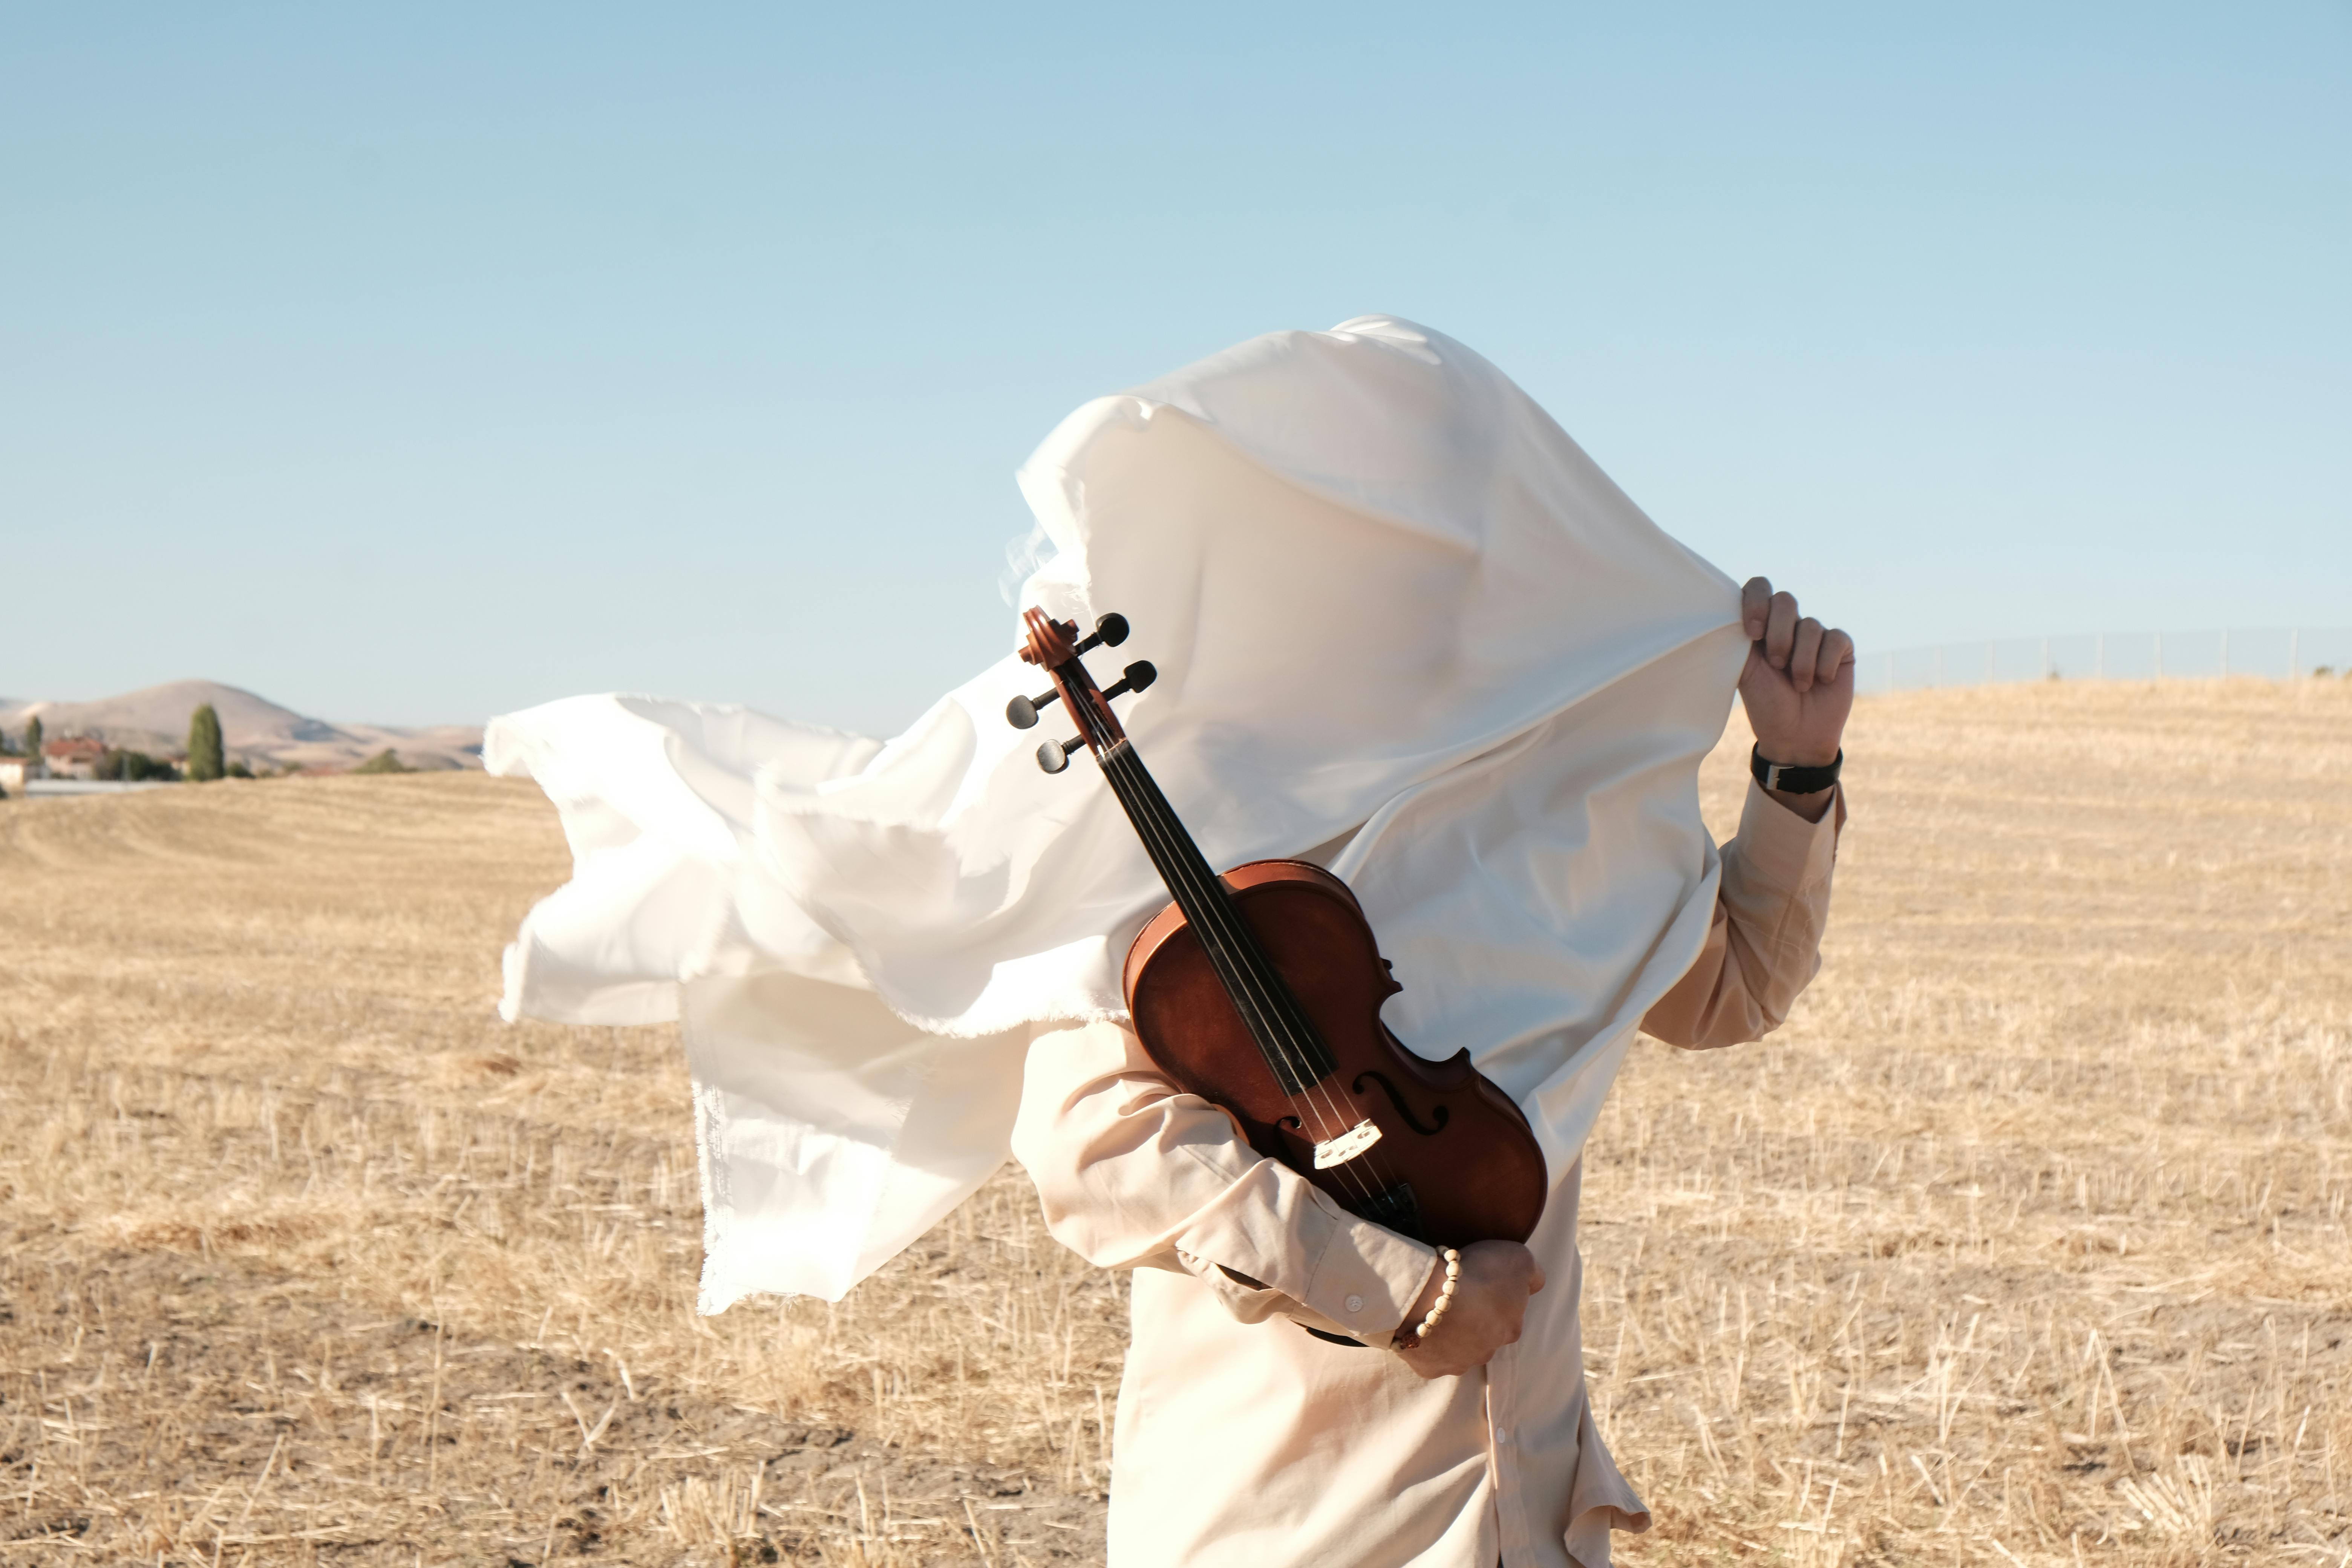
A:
1444,1299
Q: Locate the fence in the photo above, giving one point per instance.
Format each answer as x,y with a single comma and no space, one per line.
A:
2276,653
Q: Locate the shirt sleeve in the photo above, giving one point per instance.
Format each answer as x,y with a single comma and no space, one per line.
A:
1765,944
1133,1173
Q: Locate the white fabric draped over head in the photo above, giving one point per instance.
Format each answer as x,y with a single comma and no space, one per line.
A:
1399,619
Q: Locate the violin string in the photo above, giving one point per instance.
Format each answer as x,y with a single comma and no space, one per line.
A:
1366,1173
1223,920
1256,1007
1249,980
1189,874
1165,842
1320,1086
1225,929
1224,942
1222,933
1164,847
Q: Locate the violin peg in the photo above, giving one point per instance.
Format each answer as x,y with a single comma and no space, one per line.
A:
1022,711
1138,675
1110,632
1053,756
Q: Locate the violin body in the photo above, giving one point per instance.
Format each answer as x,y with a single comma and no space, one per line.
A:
1260,990
1468,1161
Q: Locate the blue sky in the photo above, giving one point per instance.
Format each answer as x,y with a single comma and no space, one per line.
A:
419,363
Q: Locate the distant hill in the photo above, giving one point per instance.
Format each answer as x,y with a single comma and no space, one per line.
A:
255,729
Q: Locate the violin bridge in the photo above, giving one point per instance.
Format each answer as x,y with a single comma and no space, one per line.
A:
1346,1146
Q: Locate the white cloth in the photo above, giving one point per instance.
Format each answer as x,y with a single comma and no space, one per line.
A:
1388,597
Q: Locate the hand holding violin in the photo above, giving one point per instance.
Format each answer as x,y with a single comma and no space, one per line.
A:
1489,1307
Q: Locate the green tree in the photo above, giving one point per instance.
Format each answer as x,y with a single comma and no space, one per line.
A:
384,762
205,761
134,767
33,736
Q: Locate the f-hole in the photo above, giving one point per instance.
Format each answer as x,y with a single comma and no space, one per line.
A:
1440,1115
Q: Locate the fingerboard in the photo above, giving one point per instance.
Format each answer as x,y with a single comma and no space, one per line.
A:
1293,1049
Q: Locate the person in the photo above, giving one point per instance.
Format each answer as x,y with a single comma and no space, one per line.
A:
1403,626
1239,1438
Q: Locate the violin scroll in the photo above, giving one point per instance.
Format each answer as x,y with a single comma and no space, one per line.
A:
1054,647
1050,642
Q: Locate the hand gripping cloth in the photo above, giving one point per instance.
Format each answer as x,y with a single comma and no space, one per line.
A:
1400,621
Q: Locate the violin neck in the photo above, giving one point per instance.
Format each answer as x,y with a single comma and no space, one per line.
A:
1292,1047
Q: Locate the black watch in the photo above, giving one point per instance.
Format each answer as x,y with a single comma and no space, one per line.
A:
1795,780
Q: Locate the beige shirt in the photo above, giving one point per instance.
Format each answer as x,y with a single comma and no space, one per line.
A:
1242,1439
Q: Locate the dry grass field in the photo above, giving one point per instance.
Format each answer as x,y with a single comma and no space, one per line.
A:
2026,1242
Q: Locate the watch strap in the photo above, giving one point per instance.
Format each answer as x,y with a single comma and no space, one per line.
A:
1793,779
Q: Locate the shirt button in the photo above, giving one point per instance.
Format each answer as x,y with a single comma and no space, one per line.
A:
1355,1303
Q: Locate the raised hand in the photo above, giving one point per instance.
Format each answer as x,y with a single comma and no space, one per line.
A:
1797,685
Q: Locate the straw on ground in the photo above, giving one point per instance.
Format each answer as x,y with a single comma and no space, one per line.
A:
2026,1242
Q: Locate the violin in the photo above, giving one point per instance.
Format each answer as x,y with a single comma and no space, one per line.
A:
1261,990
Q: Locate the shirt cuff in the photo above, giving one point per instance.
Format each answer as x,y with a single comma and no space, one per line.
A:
1783,850
1360,1277
1367,1278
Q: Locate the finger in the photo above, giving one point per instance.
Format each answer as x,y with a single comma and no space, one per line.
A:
1536,1282
1835,657
1779,630
1755,599
1804,654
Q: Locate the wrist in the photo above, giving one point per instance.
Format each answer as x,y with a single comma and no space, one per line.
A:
1431,1306
1797,753
1803,787
1424,1299
1780,773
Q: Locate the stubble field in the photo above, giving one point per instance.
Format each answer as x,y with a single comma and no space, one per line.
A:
2025,1242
